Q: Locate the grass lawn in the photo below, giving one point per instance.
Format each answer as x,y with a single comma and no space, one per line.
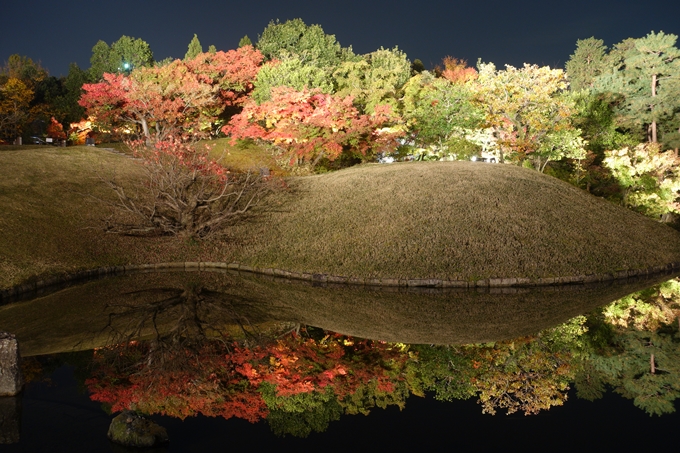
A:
452,220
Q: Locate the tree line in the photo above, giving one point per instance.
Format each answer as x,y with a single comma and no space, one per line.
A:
609,123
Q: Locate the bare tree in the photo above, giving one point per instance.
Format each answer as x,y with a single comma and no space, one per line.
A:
185,193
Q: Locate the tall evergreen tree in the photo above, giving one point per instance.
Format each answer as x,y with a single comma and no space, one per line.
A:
586,63
644,74
245,41
195,48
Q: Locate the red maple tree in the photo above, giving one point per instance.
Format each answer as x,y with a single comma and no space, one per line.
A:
309,125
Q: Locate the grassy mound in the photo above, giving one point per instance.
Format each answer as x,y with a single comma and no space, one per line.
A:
452,220
457,221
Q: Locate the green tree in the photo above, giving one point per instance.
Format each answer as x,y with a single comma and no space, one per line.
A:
643,80
310,43
195,48
100,61
441,115
245,41
124,55
524,107
289,71
375,79
586,63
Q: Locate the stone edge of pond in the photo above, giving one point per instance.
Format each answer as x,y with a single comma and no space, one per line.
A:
332,279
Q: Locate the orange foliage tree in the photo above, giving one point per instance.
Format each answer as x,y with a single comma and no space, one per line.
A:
181,99
309,125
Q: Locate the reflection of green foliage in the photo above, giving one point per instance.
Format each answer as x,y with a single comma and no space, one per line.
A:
443,370
646,369
648,309
636,350
368,396
302,424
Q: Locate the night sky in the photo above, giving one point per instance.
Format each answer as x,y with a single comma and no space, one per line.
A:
543,32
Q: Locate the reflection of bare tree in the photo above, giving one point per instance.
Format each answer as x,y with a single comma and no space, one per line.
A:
179,322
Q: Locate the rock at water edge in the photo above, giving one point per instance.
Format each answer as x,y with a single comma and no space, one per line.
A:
134,430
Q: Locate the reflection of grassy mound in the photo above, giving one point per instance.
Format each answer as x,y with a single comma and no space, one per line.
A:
77,317
454,220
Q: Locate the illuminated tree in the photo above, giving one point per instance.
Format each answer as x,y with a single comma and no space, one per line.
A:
456,70
377,78
310,43
524,107
644,81
195,48
124,55
180,99
15,99
441,115
649,178
309,125
586,63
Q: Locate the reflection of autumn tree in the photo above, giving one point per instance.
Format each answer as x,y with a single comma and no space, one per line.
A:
527,374
302,382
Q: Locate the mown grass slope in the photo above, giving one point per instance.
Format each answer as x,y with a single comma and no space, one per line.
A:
457,220
453,220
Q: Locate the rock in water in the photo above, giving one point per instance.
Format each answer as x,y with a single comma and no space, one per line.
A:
11,381
134,430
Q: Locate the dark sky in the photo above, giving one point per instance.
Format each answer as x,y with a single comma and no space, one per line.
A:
57,33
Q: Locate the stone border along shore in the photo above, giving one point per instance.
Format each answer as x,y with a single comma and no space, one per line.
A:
324,278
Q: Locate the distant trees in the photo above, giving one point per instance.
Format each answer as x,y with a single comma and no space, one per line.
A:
122,56
30,97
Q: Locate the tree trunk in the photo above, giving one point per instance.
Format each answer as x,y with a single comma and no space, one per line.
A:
651,364
145,129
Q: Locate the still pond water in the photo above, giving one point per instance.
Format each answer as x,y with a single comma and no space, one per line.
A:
251,362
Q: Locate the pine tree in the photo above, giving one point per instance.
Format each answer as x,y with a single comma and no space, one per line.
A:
245,41
587,62
644,73
195,48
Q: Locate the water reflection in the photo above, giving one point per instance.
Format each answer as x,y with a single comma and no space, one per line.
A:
228,346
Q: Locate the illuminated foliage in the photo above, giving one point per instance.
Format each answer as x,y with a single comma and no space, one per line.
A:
649,178
377,78
180,99
456,70
524,107
15,98
441,115
309,125
55,130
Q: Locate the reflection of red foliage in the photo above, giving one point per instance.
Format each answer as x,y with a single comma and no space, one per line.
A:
224,383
